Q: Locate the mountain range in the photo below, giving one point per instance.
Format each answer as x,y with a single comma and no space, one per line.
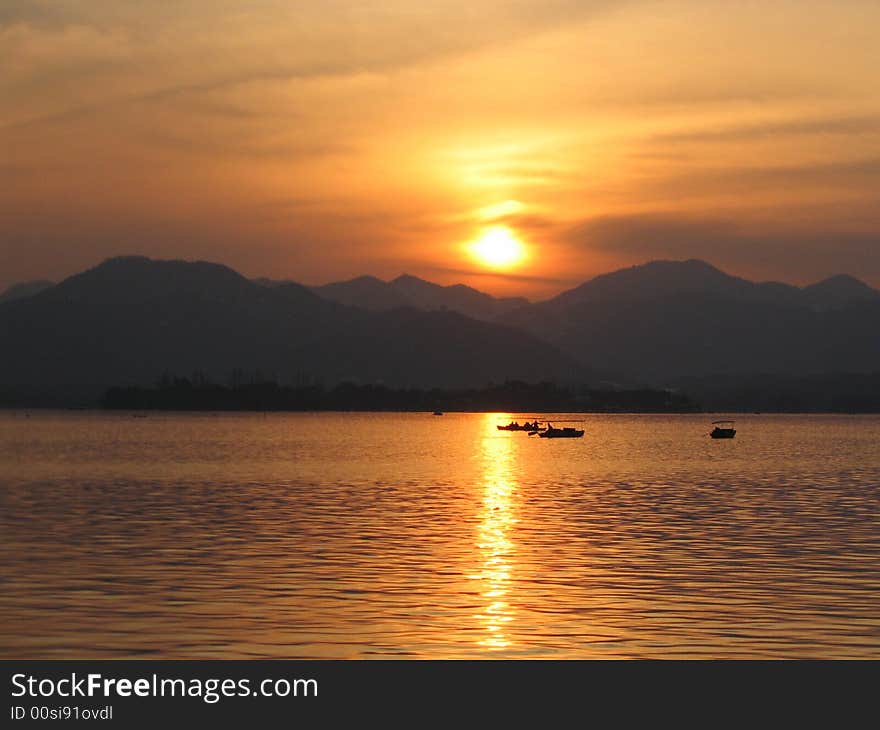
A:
130,319
376,295
666,319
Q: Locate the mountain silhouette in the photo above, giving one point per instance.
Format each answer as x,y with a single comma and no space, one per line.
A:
130,319
25,289
652,280
838,292
366,292
376,295
675,318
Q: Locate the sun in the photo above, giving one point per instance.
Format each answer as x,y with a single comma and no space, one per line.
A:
498,248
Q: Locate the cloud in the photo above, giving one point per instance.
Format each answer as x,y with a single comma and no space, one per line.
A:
32,11
657,94
532,223
214,145
852,125
693,180
29,52
486,273
194,46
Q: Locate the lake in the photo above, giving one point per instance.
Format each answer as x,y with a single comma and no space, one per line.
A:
328,535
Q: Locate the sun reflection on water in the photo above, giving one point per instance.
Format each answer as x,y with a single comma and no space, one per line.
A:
495,545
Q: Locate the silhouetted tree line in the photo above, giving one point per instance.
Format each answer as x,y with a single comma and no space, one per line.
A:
249,394
825,393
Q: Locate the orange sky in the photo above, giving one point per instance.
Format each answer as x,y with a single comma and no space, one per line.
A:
319,141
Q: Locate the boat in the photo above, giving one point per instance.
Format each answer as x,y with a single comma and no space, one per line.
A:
561,433
438,413
723,430
515,426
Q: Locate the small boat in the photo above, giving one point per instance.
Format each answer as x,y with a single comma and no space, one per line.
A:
723,430
515,426
438,413
561,433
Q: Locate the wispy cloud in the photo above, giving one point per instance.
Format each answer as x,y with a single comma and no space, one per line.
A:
501,275
695,179
218,45
854,125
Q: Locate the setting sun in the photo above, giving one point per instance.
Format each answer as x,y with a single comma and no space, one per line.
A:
498,247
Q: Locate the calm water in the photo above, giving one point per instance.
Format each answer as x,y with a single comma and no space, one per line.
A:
331,535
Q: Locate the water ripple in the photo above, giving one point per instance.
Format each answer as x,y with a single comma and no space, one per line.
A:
393,535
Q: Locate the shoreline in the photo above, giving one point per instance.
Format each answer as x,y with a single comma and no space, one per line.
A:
511,412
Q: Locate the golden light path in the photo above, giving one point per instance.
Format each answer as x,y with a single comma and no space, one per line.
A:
496,547
498,248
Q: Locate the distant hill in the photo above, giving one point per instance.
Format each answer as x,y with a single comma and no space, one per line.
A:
665,323
366,292
376,295
677,318
838,292
130,319
25,289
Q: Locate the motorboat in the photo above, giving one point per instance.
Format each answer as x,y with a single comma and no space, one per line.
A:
723,430
561,433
